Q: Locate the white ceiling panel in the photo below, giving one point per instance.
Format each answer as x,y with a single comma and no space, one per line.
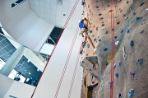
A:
53,11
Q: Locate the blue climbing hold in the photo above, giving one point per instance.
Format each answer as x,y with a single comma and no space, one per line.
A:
131,93
139,18
140,61
105,49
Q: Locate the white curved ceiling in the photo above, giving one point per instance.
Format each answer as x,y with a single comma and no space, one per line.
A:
31,21
53,11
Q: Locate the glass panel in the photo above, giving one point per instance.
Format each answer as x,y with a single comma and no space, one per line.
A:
51,41
20,63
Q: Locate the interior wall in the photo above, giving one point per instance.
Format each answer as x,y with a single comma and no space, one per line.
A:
19,90
34,59
48,84
5,84
23,25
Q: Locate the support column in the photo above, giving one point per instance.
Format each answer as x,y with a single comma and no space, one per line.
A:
12,61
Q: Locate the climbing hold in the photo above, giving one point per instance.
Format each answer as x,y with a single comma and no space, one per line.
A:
131,93
106,32
88,45
122,31
95,40
103,25
113,29
81,51
142,4
140,61
139,18
105,49
134,13
106,63
120,63
83,44
132,43
142,31
100,14
132,74
128,31
99,40
97,6
118,22
97,28
117,75
110,10
90,31
119,95
101,18
115,37
83,3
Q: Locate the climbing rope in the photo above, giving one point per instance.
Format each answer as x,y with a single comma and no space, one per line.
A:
65,25
74,74
113,48
71,13
66,64
69,54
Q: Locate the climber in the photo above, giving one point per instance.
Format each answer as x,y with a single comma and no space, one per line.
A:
83,25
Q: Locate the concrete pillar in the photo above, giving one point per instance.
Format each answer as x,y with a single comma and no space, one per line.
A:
12,61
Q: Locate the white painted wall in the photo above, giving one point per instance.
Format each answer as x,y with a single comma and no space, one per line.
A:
34,59
19,90
23,25
47,49
5,84
48,85
11,87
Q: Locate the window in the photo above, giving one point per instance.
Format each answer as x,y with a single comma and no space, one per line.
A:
54,35
51,41
6,48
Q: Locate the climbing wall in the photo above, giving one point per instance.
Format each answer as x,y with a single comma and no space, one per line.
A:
118,29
